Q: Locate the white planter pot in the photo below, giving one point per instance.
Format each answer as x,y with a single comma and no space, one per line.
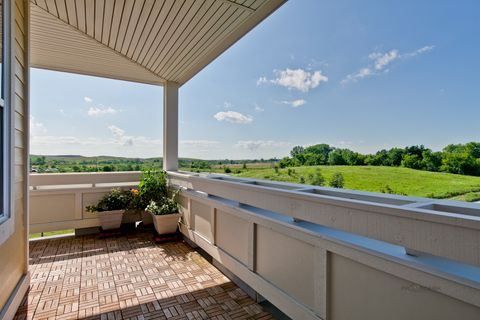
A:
166,223
146,218
110,219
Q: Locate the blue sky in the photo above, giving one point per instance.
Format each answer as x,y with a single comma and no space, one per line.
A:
355,74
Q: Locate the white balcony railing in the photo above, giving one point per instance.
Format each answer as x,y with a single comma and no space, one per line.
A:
58,201
314,252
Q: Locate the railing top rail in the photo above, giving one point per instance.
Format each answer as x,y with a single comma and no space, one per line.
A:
77,178
436,210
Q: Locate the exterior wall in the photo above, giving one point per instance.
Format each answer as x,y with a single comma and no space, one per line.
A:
13,252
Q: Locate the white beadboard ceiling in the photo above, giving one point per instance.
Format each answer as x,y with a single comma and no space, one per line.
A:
150,41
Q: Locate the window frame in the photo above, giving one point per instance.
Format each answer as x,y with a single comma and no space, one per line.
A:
7,223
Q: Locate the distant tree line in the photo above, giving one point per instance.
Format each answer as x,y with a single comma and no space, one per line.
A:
454,158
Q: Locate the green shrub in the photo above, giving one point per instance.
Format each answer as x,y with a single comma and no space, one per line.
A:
227,170
317,179
337,180
114,200
153,186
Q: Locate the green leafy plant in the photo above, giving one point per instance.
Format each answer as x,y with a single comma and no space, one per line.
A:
153,186
116,199
168,206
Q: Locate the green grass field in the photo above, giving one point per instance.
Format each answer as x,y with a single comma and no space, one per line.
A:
51,233
381,179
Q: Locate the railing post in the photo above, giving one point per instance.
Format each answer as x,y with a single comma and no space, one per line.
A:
170,126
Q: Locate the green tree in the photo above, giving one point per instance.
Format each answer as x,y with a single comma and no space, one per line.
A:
296,151
412,161
335,158
460,163
395,156
321,150
431,161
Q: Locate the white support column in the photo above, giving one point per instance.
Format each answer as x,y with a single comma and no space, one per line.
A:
170,126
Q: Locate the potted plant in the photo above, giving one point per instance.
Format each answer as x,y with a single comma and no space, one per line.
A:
165,214
152,187
110,208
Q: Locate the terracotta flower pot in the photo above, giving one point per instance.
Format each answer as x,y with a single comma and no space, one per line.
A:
110,219
166,223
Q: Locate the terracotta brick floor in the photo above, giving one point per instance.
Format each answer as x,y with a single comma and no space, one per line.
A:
128,277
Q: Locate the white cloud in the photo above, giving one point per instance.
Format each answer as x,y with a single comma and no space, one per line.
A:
199,143
253,145
233,117
67,140
100,111
362,73
120,138
258,108
88,99
381,61
262,80
298,79
36,128
227,105
424,49
116,131
295,103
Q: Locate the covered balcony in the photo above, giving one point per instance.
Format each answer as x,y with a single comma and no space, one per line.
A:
250,249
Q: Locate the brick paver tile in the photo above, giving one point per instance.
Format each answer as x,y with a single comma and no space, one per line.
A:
128,277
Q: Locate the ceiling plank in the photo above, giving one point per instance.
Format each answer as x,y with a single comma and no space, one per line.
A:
213,38
62,10
184,16
71,12
212,17
147,30
99,13
107,20
174,46
132,25
267,8
124,23
237,5
116,20
90,17
52,7
140,27
82,23
162,16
